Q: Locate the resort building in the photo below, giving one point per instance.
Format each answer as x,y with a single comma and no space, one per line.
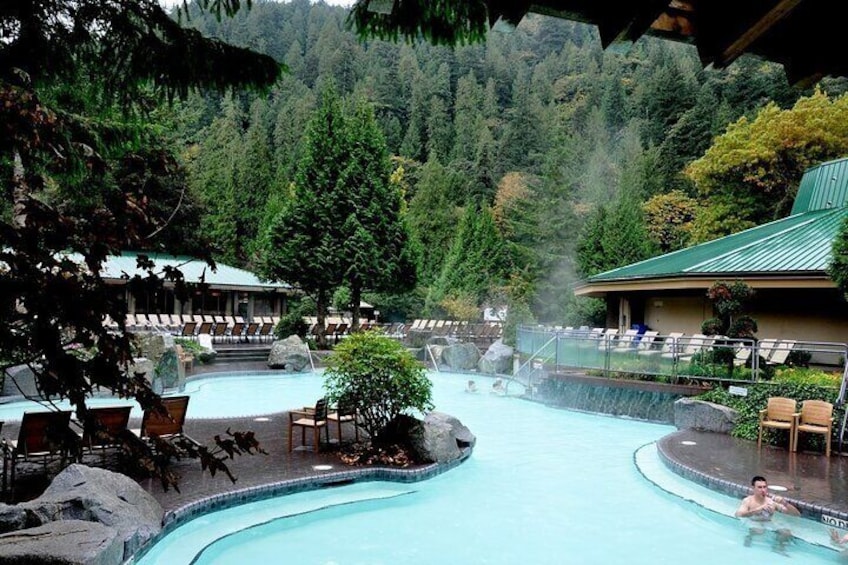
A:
784,261
226,290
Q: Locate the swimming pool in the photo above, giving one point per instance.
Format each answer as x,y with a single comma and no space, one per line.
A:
213,396
544,485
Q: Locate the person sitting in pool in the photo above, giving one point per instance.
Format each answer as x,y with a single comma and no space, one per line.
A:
471,387
498,387
761,507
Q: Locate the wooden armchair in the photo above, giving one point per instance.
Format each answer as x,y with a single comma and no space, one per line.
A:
305,418
779,414
344,412
815,417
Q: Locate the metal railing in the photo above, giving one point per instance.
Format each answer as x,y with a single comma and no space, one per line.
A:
671,357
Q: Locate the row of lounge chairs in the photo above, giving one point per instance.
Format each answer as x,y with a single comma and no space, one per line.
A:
221,328
459,329
680,347
52,435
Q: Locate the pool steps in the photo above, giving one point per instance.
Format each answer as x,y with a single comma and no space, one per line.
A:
650,465
205,530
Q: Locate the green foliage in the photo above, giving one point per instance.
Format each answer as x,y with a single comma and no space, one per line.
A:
668,219
803,376
379,377
87,174
517,314
292,324
477,261
729,300
838,268
750,173
613,238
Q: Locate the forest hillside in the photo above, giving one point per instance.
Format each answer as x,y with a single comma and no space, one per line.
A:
525,163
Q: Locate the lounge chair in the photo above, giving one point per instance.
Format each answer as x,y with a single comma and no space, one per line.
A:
743,354
265,332
309,418
626,341
205,328
697,344
670,346
815,417
607,338
781,352
42,436
236,332
165,426
341,330
765,347
779,414
188,329
220,331
103,428
647,340
251,331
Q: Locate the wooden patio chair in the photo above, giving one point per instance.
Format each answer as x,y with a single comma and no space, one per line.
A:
103,427
43,436
309,418
187,359
779,414
167,426
205,328
815,417
344,412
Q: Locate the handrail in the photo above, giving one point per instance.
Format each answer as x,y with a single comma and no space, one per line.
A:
432,357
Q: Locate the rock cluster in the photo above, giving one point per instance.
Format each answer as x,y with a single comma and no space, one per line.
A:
86,515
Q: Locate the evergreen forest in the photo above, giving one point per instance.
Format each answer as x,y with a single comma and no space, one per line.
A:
503,172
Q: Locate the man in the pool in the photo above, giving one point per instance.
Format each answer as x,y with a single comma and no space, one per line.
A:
761,507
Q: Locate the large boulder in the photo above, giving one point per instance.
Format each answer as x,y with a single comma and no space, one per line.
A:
290,354
71,542
440,437
497,360
157,348
704,416
98,495
19,380
461,356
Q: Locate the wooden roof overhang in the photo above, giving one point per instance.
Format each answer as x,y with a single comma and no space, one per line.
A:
796,280
803,35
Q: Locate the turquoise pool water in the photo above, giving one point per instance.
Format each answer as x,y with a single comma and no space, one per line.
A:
544,485
213,396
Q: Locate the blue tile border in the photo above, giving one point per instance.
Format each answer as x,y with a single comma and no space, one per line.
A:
179,516
814,512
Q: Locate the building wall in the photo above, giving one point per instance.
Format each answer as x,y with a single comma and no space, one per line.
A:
674,313
810,315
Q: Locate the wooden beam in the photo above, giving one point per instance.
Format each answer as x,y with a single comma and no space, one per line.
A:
743,43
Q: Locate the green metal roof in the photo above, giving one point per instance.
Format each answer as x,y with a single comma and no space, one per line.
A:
798,244
224,276
823,186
